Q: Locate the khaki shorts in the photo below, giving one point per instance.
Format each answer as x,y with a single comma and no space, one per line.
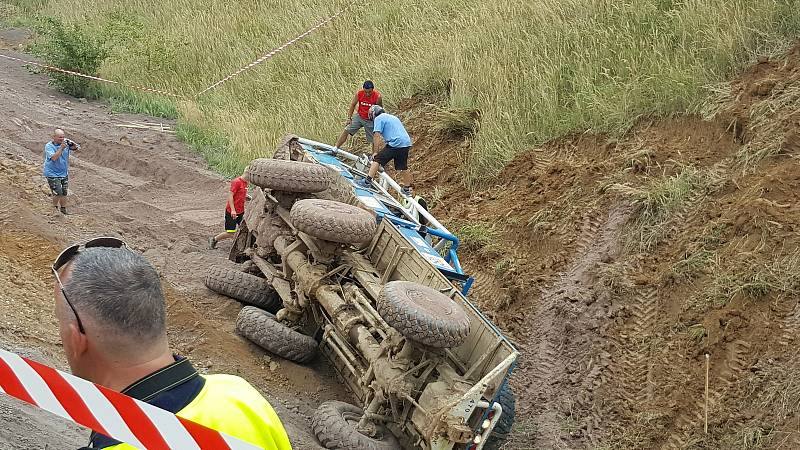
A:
357,123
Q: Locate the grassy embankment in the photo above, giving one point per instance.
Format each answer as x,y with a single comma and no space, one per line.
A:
534,70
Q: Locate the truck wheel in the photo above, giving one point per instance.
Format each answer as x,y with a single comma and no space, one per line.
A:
335,424
288,147
423,314
262,329
244,287
333,221
282,153
340,190
288,176
502,430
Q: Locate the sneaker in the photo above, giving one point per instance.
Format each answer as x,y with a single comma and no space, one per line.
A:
212,243
365,183
406,191
64,211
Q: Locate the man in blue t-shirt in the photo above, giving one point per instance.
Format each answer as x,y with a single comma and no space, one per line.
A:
56,168
397,144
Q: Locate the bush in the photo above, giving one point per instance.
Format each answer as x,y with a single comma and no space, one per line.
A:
73,48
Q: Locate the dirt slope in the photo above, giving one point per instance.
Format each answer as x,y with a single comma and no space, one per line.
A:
146,187
617,264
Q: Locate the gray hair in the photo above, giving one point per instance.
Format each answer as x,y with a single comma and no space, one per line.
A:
375,111
120,289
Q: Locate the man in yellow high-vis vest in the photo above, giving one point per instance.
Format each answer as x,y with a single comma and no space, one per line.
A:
112,321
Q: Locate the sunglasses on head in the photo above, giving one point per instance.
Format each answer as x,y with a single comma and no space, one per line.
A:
66,256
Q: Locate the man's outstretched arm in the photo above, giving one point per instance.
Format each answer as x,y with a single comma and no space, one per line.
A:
230,203
352,108
377,142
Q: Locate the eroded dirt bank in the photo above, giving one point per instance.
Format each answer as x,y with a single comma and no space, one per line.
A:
617,264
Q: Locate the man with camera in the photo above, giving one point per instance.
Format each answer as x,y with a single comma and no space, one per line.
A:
56,167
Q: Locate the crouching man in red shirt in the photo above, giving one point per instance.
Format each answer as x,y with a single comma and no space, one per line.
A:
234,211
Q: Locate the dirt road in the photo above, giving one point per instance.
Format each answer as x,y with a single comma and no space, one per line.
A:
147,188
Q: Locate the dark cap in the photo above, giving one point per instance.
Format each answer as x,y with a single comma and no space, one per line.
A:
369,84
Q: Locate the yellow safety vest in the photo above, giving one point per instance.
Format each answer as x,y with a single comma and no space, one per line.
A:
232,406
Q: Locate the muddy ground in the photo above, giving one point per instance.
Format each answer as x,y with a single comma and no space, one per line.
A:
147,188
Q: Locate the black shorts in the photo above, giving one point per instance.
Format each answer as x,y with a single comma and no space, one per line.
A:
398,154
231,223
58,185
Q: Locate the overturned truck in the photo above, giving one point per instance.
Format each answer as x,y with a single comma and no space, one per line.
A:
329,267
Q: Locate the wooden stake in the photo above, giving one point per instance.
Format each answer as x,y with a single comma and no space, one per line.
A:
706,407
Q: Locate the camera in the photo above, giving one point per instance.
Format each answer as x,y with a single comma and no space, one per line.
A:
71,144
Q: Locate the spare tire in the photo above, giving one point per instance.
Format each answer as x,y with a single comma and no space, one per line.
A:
288,176
423,314
244,287
333,221
261,328
335,425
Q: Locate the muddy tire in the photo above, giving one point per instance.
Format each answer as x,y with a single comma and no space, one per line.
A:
288,176
282,153
423,314
334,423
502,430
288,148
340,190
244,287
333,221
261,328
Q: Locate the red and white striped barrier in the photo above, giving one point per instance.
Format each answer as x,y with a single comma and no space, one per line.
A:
105,411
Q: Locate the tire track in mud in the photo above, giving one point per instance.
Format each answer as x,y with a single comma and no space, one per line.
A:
589,229
543,161
690,421
560,362
488,290
790,329
546,351
631,367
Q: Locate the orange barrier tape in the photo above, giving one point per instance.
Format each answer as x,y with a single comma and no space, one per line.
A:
275,51
90,77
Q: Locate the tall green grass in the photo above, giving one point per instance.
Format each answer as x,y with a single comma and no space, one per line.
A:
535,70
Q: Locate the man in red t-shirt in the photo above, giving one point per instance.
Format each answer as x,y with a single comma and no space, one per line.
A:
234,210
356,120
